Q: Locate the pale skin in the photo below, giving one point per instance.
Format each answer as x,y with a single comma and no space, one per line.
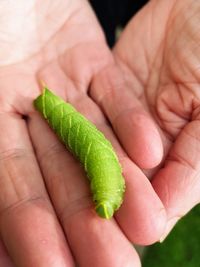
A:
46,212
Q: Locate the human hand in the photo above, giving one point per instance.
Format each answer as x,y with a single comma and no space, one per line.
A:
159,54
46,211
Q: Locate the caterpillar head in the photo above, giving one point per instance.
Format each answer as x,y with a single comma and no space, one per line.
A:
105,209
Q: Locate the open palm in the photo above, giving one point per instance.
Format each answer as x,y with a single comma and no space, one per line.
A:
159,54
46,210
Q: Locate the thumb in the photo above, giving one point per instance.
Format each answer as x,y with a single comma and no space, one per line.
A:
178,183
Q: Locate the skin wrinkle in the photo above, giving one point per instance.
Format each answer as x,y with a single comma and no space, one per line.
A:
150,34
15,153
109,90
193,123
172,21
45,45
189,18
148,55
164,104
33,200
155,79
181,160
57,178
195,70
10,175
76,206
180,94
177,39
196,111
185,117
189,70
130,79
14,175
49,17
141,81
53,150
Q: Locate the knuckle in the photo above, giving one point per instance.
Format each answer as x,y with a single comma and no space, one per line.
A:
22,204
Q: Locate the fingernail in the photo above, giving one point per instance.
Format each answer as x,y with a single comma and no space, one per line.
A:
169,226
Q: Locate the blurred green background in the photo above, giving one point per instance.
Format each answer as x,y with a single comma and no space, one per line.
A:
182,246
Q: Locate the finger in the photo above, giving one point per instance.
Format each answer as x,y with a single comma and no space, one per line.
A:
140,193
69,191
5,260
178,183
28,225
142,215
134,127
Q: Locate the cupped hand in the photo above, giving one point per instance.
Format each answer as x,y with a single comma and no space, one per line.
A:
46,214
159,54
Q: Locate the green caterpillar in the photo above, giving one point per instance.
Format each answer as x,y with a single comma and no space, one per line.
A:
92,149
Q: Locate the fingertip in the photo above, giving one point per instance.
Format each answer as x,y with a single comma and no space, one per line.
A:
148,229
158,226
169,226
142,215
140,138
